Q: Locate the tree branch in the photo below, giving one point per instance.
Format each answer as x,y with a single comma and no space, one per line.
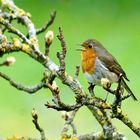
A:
14,30
47,24
30,46
28,89
35,121
124,118
69,117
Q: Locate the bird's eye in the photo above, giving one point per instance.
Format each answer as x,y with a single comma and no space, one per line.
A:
90,46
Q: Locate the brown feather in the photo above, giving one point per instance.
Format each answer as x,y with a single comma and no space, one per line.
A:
109,61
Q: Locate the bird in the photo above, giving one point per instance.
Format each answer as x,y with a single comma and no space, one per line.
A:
98,62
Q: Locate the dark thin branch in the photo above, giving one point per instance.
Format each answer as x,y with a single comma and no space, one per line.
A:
28,89
47,24
31,47
69,117
117,101
125,97
76,72
35,121
12,29
63,43
22,17
61,56
84,100
51,78
62,63
47,49
63,107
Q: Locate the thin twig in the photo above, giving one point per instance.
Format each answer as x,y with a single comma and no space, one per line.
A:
117,100
22,16
69,117
63,43
12,29
95,105
125,97
76,72
28,89
61,56
63,107
47,24
35,121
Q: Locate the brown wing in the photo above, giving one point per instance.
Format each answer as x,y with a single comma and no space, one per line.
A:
109,61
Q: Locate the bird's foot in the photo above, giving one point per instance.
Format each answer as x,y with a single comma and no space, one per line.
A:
91,89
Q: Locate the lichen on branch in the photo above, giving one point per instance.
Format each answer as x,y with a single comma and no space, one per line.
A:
28,43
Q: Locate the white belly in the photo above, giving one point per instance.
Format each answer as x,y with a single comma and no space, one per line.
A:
99,73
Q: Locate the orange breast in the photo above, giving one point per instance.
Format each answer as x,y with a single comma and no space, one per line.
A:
88,60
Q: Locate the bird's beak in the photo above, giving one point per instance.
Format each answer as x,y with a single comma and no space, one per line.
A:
80,49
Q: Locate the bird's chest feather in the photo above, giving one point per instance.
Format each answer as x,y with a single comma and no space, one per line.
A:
99,72
88,61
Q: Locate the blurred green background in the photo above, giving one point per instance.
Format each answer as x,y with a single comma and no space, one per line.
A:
116,24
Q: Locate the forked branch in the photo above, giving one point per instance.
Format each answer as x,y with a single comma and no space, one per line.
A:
29,45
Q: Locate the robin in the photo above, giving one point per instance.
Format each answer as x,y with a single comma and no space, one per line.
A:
98,63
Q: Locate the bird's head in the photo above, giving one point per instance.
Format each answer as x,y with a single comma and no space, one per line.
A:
89,45
88,55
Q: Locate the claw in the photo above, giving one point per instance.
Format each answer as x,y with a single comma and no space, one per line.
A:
91,89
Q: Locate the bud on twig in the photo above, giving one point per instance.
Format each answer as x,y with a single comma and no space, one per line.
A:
65,115
49,37
54,86
9,61
34,114
105,83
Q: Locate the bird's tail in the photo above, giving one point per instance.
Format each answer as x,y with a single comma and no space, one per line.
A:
123,83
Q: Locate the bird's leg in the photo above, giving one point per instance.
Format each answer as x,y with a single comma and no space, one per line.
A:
119,84
118,90
91,89
118,98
